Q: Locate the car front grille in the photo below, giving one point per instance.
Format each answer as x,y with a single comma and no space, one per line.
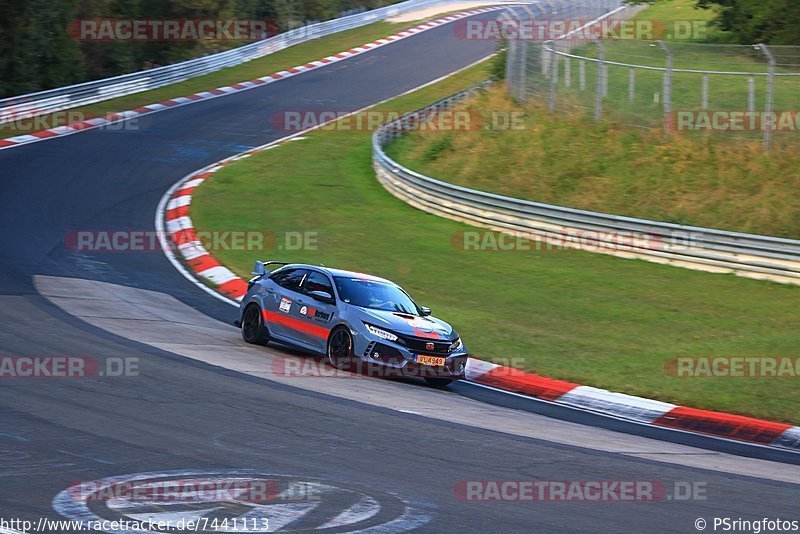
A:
416,344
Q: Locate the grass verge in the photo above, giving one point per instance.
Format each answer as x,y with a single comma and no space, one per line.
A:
593,319
678,16
568,160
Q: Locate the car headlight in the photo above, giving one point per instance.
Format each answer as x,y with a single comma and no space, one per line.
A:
455,345
380,332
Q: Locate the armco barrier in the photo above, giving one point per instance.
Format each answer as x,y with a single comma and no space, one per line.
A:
52,100
748,255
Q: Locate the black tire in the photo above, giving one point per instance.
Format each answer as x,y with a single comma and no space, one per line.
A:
340,348
253,328
438,382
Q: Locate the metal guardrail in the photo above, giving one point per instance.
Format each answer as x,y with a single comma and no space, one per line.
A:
52,100
750,255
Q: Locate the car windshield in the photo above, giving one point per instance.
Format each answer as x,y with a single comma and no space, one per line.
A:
374,294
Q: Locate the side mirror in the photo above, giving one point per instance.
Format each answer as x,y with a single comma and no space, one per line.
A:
323,296
425,311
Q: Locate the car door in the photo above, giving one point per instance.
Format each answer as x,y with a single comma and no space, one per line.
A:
282,300
314,314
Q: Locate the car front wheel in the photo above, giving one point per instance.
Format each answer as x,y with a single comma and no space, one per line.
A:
340,348
253,328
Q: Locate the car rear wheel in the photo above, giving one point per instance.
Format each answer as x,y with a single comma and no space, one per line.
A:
340,348
438,382
253,328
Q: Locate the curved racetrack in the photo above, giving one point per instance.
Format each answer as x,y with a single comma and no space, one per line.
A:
385,453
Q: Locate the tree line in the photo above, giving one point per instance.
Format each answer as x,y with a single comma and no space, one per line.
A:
38,52
773,22
747,22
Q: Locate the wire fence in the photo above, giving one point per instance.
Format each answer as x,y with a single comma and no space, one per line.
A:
732,91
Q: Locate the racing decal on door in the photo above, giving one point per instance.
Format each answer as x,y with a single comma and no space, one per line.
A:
315,314
286,305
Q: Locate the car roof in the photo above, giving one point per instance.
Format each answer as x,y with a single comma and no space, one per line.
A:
340,272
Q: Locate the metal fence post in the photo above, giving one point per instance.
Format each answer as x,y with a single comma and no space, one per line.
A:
582,75
545,60
516,63
632,85
667,91
511,52
522,51
751,94
559,10
598,97
704,96
770,94
567,72
551,98
598,8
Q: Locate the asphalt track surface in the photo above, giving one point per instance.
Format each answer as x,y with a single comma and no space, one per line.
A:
181,415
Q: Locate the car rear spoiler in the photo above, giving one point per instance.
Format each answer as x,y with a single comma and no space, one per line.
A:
260,267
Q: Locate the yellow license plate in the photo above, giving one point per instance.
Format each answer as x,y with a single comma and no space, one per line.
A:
431,360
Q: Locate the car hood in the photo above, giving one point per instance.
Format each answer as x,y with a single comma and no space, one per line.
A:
402,323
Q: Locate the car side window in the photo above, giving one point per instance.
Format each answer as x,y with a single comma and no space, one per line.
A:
290,278
318,282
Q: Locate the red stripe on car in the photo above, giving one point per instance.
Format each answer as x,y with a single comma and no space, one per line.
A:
296,324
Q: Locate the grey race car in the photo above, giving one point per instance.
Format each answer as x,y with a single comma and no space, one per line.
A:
354,319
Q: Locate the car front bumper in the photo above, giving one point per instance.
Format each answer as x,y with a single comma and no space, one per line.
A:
396,359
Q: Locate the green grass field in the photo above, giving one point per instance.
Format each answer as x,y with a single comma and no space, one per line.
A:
593,319
284,59
568,160
670,13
